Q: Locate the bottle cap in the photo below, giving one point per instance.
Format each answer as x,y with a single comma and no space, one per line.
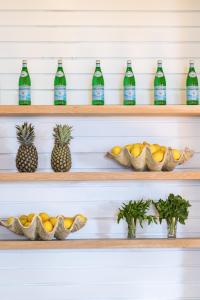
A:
98,61
59,61
191,62
24,61
159,62
128,62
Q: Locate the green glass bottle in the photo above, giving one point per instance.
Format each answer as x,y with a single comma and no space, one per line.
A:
24,85
159,86
192,86
98,86
60,86
129,85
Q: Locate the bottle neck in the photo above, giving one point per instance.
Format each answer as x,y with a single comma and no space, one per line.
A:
60,67
98,67
191,68
24,66
129,67
159,67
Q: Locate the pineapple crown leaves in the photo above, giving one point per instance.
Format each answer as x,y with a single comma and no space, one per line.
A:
62,134
173,207
136,211
25,134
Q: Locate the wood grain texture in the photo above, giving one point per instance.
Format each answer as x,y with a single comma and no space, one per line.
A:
107,110
99,176
102,244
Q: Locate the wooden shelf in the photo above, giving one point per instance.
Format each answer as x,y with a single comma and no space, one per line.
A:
101,244
107,110
99,176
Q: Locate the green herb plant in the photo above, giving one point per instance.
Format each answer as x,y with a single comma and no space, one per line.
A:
135,212
174,209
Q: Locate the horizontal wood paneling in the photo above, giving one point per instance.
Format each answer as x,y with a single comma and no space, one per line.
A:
80,32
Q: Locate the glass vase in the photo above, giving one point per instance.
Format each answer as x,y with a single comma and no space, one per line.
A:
131,231
172,228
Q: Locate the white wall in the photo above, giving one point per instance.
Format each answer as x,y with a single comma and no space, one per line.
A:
81,31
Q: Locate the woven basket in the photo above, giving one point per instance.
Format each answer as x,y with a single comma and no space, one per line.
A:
36,231
145,160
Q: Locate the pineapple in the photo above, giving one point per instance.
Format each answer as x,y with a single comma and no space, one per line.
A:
61,155
27,156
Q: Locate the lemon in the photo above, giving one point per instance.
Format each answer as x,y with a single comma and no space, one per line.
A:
116,150
176,154
53,220
136,150
10,220
163,148
128,147
23,219
44,216
154,148
68,222
82,218
48,226
30,217
27,224
158,155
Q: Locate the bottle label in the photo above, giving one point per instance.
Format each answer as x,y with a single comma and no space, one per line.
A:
60,93
59,74
23,74
129,74
98,74
98,92
192,93
159,74
129,93
24,93
160,92
192,74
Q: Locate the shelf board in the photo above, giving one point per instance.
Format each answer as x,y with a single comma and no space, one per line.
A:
99,176
107,110
101,244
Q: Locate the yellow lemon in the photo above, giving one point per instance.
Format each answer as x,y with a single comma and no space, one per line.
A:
30,217
158,156
44,216
68,222
163,148
136,150
23,219
10,220
27,224
129,146
53,220
48,226
82,218
154,148
116,150
176,154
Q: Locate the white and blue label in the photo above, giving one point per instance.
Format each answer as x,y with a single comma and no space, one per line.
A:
192,93
24,93
129,93
60,93
160,93
98,93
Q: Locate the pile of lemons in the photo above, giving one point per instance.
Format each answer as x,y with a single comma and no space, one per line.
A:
157,150
48,222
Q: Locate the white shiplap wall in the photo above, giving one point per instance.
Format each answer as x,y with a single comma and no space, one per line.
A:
81,31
